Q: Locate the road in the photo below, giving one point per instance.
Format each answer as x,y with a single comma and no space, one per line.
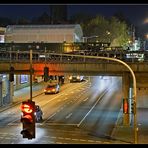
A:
84,112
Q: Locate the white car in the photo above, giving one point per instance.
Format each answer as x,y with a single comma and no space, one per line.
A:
52,88
76,78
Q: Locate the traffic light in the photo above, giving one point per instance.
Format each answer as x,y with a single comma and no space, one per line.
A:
133,107
125,106
46,71
28,119
11,74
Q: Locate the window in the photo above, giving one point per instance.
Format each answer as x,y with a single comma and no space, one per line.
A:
23,79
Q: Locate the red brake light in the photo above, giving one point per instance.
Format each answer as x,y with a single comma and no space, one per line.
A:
125,106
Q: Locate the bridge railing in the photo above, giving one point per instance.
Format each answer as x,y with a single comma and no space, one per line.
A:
47,56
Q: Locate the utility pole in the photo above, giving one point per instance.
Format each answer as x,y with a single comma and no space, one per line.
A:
31,75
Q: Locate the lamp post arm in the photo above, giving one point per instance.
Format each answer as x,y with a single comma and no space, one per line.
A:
134,86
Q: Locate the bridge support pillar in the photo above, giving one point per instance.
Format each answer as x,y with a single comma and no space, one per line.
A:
126,101
11,91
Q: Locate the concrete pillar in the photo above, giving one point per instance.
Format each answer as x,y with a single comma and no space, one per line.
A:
1,98
11,91
126,87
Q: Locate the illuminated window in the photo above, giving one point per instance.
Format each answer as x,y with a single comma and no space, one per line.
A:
23,79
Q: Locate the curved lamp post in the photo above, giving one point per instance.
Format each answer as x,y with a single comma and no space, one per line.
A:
134,87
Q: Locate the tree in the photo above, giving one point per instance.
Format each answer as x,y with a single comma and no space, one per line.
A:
121,17
98,26
83,19
119,35
107,30
4,21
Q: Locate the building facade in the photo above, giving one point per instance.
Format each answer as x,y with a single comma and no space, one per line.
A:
2,34
43,33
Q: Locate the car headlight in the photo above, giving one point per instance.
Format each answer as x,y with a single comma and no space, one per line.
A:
78,77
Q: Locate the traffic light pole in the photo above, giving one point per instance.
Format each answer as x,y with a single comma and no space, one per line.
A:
30,75
28,109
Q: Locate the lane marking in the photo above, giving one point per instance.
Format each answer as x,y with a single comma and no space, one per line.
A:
85,99
68,116
92,108
49,117
65,99
58,124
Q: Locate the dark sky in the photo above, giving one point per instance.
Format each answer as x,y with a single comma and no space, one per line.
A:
135,12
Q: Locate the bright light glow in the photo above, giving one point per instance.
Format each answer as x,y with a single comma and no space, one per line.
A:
41,56
70,77
26,108
53,89
78,77
125,106
146,21
146,36
108,33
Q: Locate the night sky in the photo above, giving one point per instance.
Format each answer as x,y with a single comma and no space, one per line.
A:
136,13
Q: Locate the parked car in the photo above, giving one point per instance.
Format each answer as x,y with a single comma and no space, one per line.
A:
38,113
52,88
76,78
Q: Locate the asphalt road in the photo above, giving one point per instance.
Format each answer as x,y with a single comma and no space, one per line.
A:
84,112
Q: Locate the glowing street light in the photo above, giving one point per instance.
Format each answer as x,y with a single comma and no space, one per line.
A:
145,21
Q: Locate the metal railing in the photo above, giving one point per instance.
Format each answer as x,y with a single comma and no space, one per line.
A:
42,56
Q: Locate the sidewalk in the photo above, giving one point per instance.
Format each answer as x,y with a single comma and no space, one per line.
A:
125,134
120,135
24,94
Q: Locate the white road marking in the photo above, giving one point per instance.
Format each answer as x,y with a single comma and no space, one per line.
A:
58,100
10,124
53,137
90,140
91,108
67,138
85,99
7,138
49,117
46,136
59,124
74,139
98,141
13,122
107,142
51,142
68,116
59,142
65,99
60,138
82,140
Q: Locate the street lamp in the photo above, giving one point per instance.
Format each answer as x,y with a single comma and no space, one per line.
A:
108,32
134,87
31,70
